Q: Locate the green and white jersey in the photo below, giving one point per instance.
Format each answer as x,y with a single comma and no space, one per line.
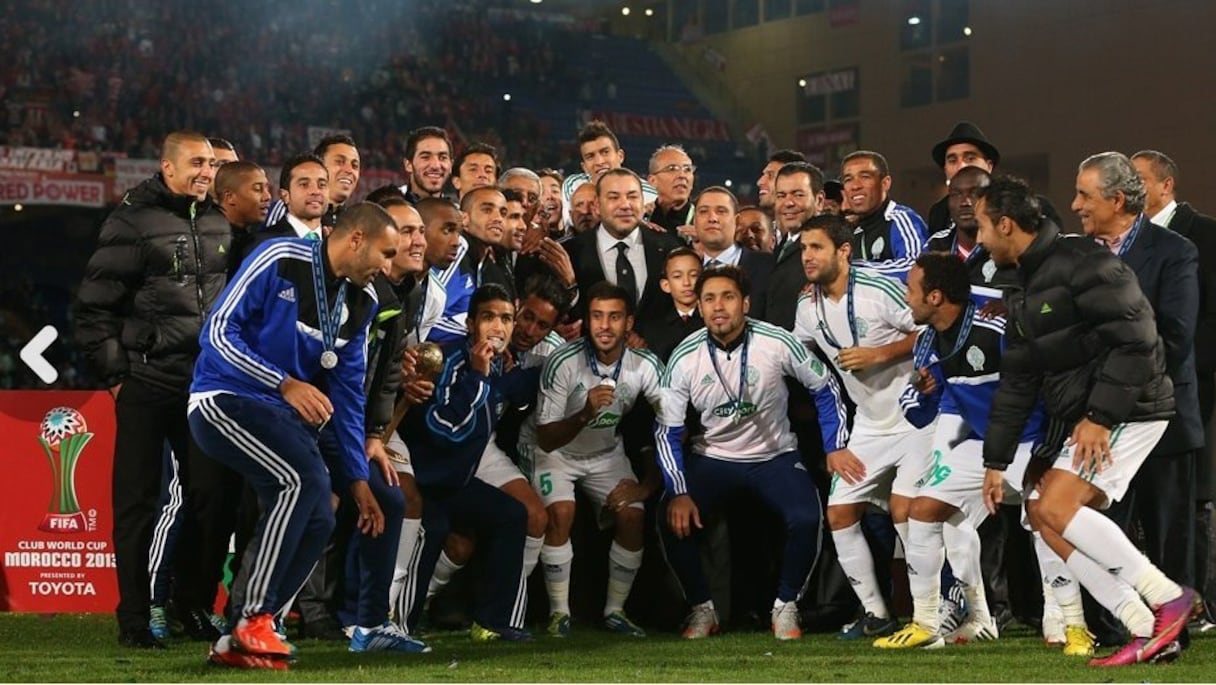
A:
752,427
532,359
880,316
566,379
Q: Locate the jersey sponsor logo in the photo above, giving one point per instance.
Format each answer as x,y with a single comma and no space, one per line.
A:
605,420
729,409
288,294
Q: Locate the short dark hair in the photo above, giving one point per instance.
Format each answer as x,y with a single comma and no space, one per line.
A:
734,202
1163,166
619,171
368,217
228,177
427,207
222,144
837,228
945,272
290,166
385,193
477,149
734,273
879,161
546,287
512,194
329,141
607,291
681,251
422,133
594,130
787,156
488,292
792,168
1012,197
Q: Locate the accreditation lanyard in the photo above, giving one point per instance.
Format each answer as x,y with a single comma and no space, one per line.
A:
1131,236
925,343
735,400
850,308
328,320
593,364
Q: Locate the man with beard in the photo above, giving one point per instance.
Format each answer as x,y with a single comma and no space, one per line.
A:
427,163
861,322
1081,338
278,396
587,388
732,374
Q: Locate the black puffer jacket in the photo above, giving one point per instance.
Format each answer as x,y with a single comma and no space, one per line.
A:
160,264
1080,335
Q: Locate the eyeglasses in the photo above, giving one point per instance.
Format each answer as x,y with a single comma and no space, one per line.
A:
677,168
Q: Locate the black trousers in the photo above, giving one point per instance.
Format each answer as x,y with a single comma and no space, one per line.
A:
146,416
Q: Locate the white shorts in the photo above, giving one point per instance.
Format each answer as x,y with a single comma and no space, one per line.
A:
396,446
555,475
1130,444
894,463
956,470
496,468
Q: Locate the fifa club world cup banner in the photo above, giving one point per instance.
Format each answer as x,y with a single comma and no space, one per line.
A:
58,454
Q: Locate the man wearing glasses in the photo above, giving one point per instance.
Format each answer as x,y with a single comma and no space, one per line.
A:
673,175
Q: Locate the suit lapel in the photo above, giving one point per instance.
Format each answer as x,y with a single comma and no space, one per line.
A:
591,259
1138,254
654,266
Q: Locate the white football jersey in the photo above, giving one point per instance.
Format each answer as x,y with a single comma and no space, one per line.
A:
568,375
751,428
882,316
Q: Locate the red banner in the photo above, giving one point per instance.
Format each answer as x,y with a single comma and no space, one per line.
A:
55,525
73,190
667,128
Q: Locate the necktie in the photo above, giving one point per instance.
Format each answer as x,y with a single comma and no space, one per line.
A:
624,271
685,317
312,235
712,264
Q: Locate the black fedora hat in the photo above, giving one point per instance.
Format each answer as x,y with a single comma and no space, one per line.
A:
966,132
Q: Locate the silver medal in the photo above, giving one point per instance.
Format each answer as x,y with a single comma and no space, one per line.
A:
329,359
608,382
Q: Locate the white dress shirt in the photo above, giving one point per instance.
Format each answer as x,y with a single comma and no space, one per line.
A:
302,229
728,257
606,246
1166,215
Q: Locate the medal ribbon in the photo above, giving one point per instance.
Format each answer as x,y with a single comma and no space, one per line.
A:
737,401
329,321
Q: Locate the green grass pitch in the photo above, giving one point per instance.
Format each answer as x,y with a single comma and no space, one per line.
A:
67,648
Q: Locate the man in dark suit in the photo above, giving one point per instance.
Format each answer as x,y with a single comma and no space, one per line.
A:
715,210
1160,176
621,251
1110,201
304,190
797,196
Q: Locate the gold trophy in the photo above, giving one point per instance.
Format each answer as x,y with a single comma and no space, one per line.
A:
428,365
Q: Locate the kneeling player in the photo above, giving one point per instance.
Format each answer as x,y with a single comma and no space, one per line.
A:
587,387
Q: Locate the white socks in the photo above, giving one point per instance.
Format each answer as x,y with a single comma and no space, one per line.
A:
623,568
858,565
445,568
1102,540
556,562
925,553
963,547
531,554
1058,579
405,571
1112,593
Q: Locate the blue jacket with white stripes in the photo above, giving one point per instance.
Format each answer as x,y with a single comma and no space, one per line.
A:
265,328
447,434
966,377
890,238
